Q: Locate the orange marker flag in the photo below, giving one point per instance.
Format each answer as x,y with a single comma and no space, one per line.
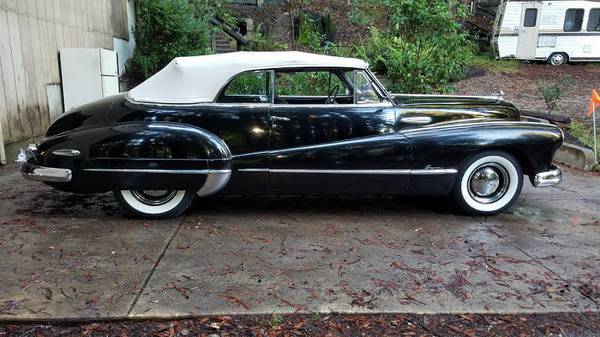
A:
595,101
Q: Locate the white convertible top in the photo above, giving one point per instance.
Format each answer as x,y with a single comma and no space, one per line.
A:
198,79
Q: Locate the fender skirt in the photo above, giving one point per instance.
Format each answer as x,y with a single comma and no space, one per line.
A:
140,156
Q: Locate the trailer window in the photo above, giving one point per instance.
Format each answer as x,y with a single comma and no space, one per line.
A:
594,20
573,20
530,17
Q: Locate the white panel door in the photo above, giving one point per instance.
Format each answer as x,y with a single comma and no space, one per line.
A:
81,80
528,31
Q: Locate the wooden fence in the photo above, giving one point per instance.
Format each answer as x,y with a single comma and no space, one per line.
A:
31,34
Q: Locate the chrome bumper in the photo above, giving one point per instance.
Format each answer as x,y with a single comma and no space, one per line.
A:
549,178
40,173
49,174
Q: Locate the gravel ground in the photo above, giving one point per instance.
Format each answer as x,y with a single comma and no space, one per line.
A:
521,88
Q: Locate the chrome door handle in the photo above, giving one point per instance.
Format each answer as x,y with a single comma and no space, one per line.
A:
279,119
416,120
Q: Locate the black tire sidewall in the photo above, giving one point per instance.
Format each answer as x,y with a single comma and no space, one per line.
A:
457,193
565,59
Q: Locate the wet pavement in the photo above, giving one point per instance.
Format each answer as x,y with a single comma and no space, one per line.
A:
73,256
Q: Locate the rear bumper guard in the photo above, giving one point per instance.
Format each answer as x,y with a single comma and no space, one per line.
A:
548,178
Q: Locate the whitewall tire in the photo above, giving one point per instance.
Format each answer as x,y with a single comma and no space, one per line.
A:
155,204
488,183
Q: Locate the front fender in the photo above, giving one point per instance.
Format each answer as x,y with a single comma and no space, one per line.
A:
140,155
448,146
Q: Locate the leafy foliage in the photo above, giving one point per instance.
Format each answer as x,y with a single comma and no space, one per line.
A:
552,92
583,132
308,83
250,83
489,63
166,29
424,47
264,42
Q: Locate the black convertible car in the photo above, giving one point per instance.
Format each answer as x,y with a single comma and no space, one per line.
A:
290,123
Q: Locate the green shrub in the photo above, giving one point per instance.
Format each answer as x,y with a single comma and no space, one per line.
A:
424,48
311,33
264,42
489,63
166,29
552,92
583,132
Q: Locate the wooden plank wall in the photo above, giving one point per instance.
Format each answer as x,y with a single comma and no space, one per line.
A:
31,34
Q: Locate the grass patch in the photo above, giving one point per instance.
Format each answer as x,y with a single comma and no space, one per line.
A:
493,65
583,132
276,321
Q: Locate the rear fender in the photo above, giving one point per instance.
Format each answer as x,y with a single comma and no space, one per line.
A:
141,155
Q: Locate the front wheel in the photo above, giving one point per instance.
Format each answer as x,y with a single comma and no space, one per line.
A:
488,184
155,204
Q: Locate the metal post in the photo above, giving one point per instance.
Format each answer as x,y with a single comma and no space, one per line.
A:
2,152
594,128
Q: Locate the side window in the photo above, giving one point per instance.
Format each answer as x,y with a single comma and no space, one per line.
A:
573,20
594,20
248,87
316,84
365,91
530,17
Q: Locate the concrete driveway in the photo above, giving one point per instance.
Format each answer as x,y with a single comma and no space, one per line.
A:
72,256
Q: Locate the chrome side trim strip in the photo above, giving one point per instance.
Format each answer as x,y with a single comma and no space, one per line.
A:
384,171
433,171
445,96
67,152
254,170
327,171
416,120
161,171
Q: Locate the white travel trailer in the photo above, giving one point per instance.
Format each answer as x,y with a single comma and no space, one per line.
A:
557,31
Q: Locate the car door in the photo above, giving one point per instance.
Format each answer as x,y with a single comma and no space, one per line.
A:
240,116
331,133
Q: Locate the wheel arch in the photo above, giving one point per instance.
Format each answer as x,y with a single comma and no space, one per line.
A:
525,161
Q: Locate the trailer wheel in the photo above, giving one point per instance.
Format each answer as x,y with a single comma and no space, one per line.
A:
557,59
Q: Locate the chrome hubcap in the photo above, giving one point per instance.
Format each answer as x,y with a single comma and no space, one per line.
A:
488,183
557,59
153,197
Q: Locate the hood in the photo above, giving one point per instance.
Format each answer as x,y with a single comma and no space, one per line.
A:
465,107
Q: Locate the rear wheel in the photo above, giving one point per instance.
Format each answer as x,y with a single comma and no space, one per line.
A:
156,204
489,183
558,59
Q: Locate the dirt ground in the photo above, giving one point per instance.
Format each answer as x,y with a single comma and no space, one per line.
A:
521,88
547,325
